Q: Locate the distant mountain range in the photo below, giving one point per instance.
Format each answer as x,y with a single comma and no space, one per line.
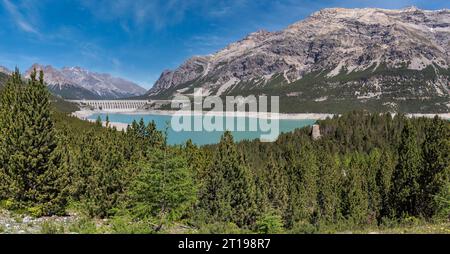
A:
333,61
57,102
78,83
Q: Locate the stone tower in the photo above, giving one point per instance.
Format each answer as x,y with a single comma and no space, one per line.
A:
315,133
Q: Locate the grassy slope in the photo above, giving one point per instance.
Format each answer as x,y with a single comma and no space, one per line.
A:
340,91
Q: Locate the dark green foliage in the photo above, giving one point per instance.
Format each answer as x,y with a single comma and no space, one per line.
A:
366,170
30,162
329,185
356,200
302,170
228,194
406,188
164,189
270,223
443,203
436,162
383,166
355,166
276,186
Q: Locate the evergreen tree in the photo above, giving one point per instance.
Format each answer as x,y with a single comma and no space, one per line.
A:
308,173
155,138
302,169
276,187
443,202
329,190
406,175
229,190
163,190
28,149
270,223
11,108
293,186
356,197
385,168
436,159
107,121
372,171
98,122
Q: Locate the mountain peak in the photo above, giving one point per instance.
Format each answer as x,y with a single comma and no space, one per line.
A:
79,83
411,8
330,43
74,68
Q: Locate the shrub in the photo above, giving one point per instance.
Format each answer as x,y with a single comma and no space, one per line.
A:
302,227
51,228
270,223
126,225
84,226
35,211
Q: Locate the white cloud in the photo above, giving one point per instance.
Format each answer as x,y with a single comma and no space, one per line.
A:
19,18
141,13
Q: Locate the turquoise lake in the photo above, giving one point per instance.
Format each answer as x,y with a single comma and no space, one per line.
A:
203,137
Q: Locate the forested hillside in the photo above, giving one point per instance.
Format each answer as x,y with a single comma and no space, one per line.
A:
367,171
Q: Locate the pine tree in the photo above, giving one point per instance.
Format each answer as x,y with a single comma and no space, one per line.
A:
277,191
155,138
385,169
164,189
98,122
372,172
293,186
11,107
436,159
443,201
357,196
329,186
229,190
406,175
28,149
302,169
308,172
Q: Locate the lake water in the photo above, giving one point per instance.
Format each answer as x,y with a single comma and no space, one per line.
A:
203,137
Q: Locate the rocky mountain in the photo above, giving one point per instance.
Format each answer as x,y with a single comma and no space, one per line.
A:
334,60
78,83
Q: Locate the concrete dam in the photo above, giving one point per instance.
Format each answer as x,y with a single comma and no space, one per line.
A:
112,104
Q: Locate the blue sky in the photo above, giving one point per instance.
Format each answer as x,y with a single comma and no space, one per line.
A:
138,39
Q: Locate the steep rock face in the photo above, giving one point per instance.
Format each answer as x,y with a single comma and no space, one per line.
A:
78,83
190,70
362,56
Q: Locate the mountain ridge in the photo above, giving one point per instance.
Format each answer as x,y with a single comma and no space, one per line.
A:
388,58
80,83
